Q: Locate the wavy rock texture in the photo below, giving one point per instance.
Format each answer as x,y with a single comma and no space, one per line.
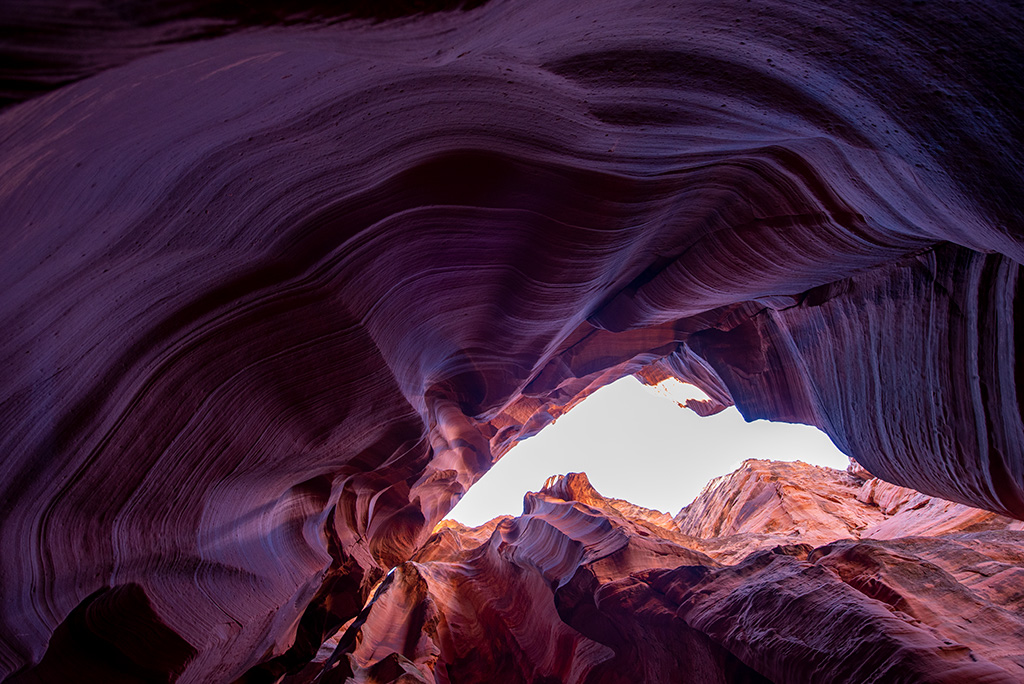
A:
764,504
489,609
278,289
645,604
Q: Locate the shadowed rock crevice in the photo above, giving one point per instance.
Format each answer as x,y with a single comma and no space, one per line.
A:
112,636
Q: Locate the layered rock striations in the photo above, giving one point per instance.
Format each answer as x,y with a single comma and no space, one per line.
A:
496,603
767,503
809,503
577,590
279,286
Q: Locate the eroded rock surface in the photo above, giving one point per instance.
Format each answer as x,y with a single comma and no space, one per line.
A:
625,600
278,285
766,503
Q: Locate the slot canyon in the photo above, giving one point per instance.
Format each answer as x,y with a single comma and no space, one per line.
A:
281,281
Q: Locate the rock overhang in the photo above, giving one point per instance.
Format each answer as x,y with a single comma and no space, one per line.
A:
274,300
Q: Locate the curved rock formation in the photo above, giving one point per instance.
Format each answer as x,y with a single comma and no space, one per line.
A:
645,604
277,291
494,608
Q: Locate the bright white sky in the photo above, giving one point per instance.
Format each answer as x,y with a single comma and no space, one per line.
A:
635,443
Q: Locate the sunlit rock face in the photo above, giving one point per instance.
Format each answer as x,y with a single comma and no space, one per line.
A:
767,503
646,603
278,288
495,605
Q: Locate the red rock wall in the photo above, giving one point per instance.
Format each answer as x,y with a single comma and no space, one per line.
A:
272,300
798,503
646,603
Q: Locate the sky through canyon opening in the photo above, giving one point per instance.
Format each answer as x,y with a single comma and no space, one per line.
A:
627,431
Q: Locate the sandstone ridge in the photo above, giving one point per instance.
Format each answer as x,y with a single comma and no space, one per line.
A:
578,589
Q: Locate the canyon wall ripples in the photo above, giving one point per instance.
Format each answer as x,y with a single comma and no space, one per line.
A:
276,292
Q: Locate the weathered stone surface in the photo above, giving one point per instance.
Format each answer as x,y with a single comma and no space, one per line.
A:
909,513
852,630
274,299
767,503
806,503
468,609
939,609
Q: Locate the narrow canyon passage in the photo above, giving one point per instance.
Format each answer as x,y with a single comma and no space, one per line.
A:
279,283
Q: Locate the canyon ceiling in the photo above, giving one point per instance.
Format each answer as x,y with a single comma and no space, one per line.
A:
279,284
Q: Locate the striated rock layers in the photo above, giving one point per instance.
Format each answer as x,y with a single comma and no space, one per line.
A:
278,285
576,590
768,503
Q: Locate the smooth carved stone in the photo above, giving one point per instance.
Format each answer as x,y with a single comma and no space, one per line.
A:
965,587
485,609
942,609
279,285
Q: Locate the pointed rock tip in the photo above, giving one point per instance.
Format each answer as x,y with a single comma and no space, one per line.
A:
572,487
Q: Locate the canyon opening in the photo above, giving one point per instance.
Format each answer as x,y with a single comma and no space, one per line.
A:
627,430
279,283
